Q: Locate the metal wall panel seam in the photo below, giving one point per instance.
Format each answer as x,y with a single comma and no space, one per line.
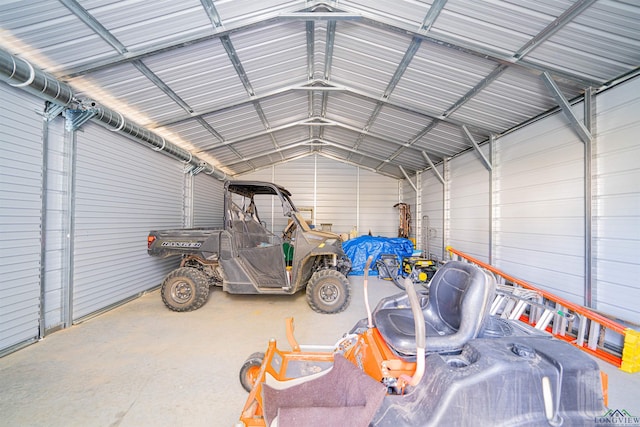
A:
43,223
70,138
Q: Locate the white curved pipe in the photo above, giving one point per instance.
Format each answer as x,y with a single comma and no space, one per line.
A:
366,291
421,335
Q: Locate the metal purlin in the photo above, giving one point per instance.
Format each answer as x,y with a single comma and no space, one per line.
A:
19,73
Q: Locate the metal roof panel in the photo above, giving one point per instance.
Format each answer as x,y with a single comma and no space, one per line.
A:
366,57
236,123
138,24
273,56
389,81
438,77
48,34
601,43
286,108
498,26
201,74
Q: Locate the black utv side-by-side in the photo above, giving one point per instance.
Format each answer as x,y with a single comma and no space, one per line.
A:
245,256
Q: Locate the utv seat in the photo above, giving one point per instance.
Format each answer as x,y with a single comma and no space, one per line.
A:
460,297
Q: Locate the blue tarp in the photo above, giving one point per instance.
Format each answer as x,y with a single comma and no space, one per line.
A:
359,249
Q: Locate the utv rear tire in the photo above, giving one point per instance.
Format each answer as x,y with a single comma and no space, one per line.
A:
250,369
328,291
185,289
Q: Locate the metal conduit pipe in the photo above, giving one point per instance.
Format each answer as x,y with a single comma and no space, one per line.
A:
18,72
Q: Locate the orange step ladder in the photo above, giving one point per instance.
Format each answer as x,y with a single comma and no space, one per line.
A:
578,325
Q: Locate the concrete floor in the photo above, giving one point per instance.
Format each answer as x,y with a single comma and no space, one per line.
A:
144,365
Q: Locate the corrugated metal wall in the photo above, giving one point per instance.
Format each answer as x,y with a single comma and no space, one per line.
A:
56,268
539,232
123,190
20,216
208,201
341,195
336,195
377,195
617,204
410,197
469,209
432,217
299,177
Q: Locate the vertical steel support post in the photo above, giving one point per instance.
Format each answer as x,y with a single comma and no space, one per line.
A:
187,200
590,253
446,207
492,161
70,148
43,224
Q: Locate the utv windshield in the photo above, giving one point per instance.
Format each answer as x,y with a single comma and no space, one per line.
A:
269,204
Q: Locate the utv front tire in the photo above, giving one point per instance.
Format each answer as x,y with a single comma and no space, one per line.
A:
250,370
185,289
328,291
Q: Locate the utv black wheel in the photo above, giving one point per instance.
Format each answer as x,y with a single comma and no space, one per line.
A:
185,289
250,370
328,291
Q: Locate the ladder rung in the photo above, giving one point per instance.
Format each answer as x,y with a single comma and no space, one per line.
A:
518,310
582,328
497,302
594,335
545,319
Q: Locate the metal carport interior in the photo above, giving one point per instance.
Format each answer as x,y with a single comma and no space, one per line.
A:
393,87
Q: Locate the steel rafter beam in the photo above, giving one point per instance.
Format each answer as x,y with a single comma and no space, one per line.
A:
212,13
216,21
483,52
245,159
270,165
320,16
453,43
393,82
413,140
315,143
486,161
237,65
433,167
312,122
310,33
407,178
576,124
497,72
209,128
82,14
162,85
250,136
328,62
324,86
556,25
431,16
348,162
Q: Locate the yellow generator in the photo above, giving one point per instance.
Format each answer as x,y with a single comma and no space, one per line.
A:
420,270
